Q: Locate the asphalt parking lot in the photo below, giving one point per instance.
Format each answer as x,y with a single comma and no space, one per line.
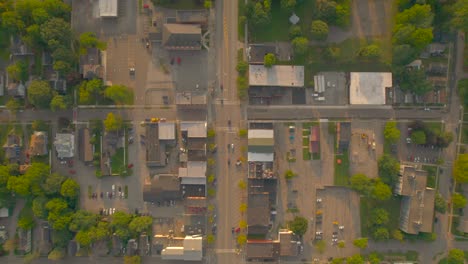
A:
335,90
337,207
410,152
366,147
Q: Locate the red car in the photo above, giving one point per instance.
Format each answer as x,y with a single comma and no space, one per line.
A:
179,60
130,165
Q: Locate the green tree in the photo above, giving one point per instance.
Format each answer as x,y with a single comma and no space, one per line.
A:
90,91
26,217
63,67
403,54
298,225
289,174
241,239
101,232
90,40
389,168
458,201
379,216
456,256
40,16
19,185
119,94
242,67
242,86
33,37
11,22
319,30
83,220
120,222
288,5
210,239
381,233
294,32
460,169
113,122
70,189
360,242
360,183
460,15
56,254
53,184
84,238
326,11
440,204
56,32
59,214
355,259
40,94
300,45
38,207
417,15
132,259
39,125
381,191
320,246
370,51
58,103
418,137
269,60
140,224
18,71
208,4
421,37
397,235
391,132
13,105
373,258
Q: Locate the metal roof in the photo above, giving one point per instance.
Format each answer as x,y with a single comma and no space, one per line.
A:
108,8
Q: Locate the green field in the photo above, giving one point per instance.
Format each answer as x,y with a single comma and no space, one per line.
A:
342,170
366,207
117,162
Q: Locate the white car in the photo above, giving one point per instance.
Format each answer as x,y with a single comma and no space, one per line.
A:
341,227
319,200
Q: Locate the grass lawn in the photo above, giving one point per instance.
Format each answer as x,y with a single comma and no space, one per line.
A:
183,4
306,154
117,162
464,138
431,175
434,126
278,29
342,170
366,207
41,159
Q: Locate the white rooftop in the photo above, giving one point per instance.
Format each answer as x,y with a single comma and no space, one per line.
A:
369,87
195,173
64,145
108,8
166,131
195,129
260,157
277,75
260,133
192,250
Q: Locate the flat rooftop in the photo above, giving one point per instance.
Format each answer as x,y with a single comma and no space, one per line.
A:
368,88
277,75
108,8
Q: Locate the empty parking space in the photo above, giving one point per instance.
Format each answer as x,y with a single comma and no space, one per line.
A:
337,219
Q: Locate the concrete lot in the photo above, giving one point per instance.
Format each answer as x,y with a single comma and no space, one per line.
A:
363,159
85,17
339,207
336,90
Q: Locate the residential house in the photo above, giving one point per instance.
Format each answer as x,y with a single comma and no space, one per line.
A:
64,145
16,89
181,37
38,144
417,204
4,212
24,241
12,147
59,85
256,52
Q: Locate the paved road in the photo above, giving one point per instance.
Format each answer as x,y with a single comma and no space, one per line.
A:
228,195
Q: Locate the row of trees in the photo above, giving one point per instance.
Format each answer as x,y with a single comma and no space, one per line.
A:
92,91
422,134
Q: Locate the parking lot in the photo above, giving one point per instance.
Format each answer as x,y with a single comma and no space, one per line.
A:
366,147
337,219
410,152
334,90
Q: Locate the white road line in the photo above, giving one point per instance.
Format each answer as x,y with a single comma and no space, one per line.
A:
219,251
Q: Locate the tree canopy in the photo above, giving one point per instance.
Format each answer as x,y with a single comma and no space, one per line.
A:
40,94
58,103
391,132
381,191
360,183
299,225
83,220
140,224
460,15
70,189
413,27
300,45
113,122
120,94
389,168
458,201
360,242
269,60
456,256
319,30
379,216
460,169
381,233
90,40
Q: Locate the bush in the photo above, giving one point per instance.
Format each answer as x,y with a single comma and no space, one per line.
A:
300,45
294,32
319,30
242,67
289,175
242,86
211,133
243,133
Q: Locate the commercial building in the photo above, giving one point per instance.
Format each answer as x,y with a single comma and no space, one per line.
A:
369,88
162,188
191,250
181,37
286,245
158,136
64,145
417,204
86,148
108,8
260,145
276,75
